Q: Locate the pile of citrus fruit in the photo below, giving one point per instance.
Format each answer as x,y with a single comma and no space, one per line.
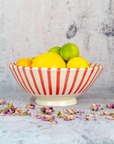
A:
66,56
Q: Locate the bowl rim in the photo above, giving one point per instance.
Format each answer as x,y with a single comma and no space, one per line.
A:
96,66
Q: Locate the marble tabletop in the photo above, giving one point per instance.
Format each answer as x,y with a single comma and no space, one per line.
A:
29,130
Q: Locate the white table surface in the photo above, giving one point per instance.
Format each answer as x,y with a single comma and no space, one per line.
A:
29,130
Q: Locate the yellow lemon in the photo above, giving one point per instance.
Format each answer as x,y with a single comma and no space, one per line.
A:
24,62
78,62
49,60
32,58
69,51
55,49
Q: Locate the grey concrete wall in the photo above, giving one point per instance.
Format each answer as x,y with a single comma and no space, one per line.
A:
31,27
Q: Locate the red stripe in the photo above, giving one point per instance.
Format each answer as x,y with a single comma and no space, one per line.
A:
49,80
97,75
18,78
91,80
74,81
87,80
84,74
22,79
33,78
90,64
23,68
15,77
95,65
58,81
42,81
66,80
98,65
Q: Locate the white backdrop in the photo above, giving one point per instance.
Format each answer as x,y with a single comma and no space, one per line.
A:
31,27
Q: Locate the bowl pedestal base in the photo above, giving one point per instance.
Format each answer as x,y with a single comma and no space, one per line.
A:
66,101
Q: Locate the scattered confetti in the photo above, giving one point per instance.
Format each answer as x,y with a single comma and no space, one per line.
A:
101,106
69,117
6,110
71,111
30,114
2,114
60,114
95,119
102,113
94,107
80,112
47,110
30,106
77,116
18,111
11,107
48,118
110,105
55,122
110,118
10,110
92,115
38,116
3,101
86,119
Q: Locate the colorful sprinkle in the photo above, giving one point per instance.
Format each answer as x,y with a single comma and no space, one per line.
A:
86,119
60,114
48,118
6,110
18,111
77,116
71,111
2,114
110,118
95,119
30,114
11,107
30,106
101,106
38,116
23,113
102,113
92,115
94,107
55,122
80,112
69,117
47,110
3,101
110,105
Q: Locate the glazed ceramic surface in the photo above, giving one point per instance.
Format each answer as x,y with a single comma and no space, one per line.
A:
55,86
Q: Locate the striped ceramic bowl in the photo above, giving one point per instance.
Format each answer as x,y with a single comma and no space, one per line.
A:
55,86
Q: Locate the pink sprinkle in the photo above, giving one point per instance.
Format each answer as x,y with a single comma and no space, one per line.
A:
86,119
94,107
3,101
2,114
55,122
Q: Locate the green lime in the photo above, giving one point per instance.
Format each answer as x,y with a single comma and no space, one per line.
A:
69,51
55,49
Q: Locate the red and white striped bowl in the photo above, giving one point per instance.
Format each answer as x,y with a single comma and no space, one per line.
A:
55,86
